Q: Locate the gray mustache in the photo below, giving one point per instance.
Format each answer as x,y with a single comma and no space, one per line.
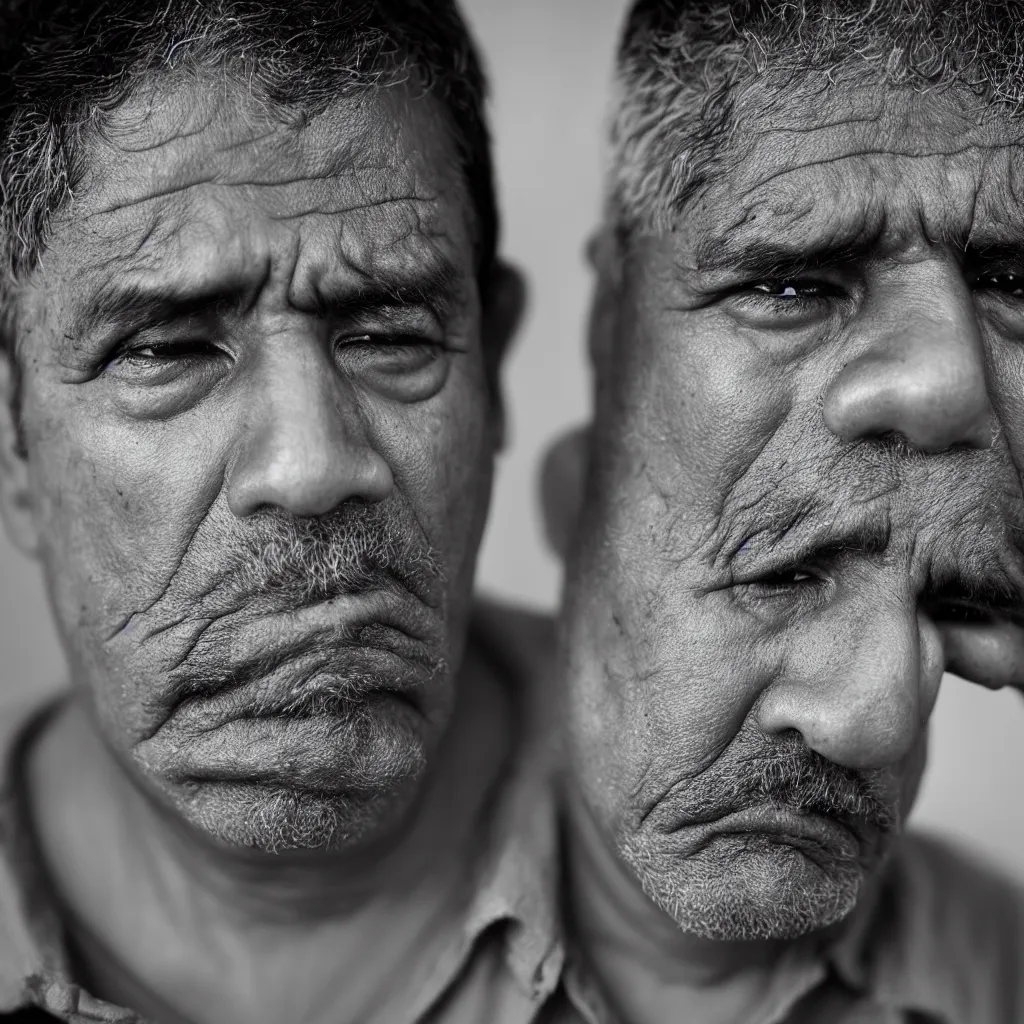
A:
355,548
808,782
791,775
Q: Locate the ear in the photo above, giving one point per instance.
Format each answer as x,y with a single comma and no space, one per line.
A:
562,480
605,255
16,506
563,474
504,302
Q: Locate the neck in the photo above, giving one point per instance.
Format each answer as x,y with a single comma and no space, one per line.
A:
649,968
167,904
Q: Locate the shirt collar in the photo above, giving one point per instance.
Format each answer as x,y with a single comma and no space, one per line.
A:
520,880
517,871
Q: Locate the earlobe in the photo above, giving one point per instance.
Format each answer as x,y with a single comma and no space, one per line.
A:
15,502
562,482
504,302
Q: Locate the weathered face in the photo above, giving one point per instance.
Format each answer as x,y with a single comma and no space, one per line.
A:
259,441
804,502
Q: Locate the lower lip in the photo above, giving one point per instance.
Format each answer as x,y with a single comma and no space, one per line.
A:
807,831
283,750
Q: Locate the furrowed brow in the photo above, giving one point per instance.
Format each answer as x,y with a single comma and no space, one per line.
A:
436,286
991,585
760,258
132,306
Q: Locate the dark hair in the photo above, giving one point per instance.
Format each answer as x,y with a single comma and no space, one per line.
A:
65,64
683,65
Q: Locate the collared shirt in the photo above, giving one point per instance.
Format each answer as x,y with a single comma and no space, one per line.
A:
508,960
940,941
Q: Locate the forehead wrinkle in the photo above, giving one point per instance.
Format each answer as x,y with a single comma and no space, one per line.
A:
786,239
865,153
999,200
176,189
871,207
233,147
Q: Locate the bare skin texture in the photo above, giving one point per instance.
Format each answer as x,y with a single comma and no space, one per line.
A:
803,506
255,455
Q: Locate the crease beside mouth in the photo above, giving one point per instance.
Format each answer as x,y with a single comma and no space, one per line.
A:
199,681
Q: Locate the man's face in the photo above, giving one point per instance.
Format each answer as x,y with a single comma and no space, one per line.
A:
259,439
803,503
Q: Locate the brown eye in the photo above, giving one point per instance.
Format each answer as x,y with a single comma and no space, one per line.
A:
404,367
778,291
787,291
167,352
1008,283
389,353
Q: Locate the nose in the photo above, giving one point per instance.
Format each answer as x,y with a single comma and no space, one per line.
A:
305,449
859,696
923,374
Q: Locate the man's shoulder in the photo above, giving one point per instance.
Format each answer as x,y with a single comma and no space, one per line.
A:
957,884
524,640
962,926
22,919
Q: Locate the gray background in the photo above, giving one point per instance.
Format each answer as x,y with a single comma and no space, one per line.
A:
550,63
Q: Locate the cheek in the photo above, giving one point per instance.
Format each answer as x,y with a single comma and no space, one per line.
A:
663,673
118,503
441,455
691,402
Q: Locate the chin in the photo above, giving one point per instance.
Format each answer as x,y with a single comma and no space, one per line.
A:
317,781
279,785
750,888
274,820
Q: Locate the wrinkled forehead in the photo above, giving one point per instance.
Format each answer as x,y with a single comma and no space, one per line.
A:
858,163
201,183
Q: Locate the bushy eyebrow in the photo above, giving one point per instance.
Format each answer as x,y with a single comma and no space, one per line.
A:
762,258
435,285
123,306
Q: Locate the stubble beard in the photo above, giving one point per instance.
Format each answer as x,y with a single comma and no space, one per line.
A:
351,758
273,818
757,889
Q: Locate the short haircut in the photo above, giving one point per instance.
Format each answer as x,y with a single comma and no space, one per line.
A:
683,66
66,64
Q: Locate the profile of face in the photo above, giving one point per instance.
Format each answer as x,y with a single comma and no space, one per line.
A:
803,502
257,420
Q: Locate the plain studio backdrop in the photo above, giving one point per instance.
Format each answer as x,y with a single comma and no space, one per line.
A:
550,62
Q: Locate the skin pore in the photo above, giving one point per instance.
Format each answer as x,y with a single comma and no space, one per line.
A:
803,506
257,426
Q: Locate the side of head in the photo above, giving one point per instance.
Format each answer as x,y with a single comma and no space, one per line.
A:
254,318
803,504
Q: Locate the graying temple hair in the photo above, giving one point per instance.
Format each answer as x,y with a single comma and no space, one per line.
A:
684,65
65,65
